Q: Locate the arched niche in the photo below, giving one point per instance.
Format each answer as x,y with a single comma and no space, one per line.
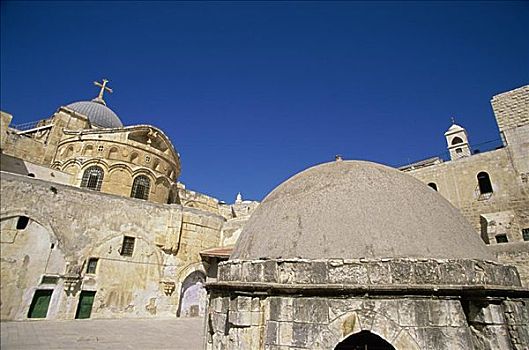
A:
364,340
192,295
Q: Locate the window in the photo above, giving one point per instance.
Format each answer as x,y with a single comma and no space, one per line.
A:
127,248
100,148
484,183
433,185
525,234
49,280
501,238
456,140
22,222
92,265
140,187
147,159
92,178
459,150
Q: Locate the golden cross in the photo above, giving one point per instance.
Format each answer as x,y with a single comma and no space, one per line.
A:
103,87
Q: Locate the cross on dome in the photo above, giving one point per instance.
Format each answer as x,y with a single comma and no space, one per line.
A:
103,87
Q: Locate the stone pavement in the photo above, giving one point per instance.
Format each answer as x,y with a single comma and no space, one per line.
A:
142,334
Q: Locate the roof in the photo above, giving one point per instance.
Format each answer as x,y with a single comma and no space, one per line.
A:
98,113
217,252
357,209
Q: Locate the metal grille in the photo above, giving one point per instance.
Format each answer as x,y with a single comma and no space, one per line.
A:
141,187
92,178
127,248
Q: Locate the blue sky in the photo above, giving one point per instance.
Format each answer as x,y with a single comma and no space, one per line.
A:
251,93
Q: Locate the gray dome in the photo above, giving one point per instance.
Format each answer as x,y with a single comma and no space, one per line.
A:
98,114
356,209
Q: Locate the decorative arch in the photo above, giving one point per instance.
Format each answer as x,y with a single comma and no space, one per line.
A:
88,150
93,178
113,152
68,152
134,158
376,323
141,187
33,216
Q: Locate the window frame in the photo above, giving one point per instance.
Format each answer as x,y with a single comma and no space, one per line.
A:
141,187
92,270
87,181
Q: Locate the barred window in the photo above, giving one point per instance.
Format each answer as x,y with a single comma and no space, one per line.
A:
92,178
92,265
127,247
525,234
140,187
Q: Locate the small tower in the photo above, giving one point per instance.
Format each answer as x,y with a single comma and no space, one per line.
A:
457,140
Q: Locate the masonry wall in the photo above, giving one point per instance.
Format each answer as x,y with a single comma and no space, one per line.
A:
69,225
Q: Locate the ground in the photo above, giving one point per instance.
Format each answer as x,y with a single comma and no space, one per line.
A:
145,334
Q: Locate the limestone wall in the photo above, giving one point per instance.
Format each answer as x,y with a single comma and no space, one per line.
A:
457,182
512,108
83,224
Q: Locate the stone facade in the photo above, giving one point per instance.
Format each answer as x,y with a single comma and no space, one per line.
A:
501,214
412,304
68,232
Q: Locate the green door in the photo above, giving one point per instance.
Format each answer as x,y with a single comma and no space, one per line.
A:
84,309
40,303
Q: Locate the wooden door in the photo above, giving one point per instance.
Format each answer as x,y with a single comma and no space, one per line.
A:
84,308
41,302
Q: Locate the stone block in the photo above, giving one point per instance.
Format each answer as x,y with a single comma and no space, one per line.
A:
311,310
452,273
348,273
240,318
281,309
244,303
270,271
271,333
379,272
218,323
426,272
285,333
306,335
252,271
438,313
402,272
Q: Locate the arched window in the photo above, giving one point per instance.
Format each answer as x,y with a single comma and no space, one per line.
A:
92,178
433,185
485,186
140,187
456,140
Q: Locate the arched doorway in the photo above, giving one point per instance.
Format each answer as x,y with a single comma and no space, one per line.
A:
364,340
193,295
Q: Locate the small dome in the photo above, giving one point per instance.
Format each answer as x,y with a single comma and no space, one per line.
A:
98,114
357,209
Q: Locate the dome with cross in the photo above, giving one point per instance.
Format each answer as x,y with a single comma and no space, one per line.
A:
97,111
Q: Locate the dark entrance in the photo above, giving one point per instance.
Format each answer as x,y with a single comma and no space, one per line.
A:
39,304
364,340
84,308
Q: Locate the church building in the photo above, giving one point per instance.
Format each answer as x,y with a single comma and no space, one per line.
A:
94,222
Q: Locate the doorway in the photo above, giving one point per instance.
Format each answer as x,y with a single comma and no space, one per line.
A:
40,303
364,340
84,308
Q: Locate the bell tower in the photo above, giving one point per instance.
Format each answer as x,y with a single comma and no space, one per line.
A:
457,141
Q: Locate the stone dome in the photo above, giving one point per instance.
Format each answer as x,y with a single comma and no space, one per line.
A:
98,113
357,209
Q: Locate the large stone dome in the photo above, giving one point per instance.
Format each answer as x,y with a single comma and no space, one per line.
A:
98,114
357,209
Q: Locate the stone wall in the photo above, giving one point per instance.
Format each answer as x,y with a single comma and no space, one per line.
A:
410,303
71,225
512,108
